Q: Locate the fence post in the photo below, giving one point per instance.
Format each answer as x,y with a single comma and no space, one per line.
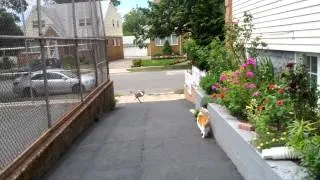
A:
105,41
94,34
76,55
42,41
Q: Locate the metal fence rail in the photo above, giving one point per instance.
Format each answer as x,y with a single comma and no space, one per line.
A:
51,57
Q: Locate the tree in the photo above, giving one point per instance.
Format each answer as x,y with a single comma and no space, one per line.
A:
202,19
134,21
114,2
9,27
16,5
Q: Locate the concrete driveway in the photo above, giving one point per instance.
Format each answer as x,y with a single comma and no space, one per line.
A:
149,141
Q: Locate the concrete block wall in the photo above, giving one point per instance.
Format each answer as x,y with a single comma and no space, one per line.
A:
235,142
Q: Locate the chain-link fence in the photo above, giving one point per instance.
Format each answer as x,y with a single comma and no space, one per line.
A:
52,55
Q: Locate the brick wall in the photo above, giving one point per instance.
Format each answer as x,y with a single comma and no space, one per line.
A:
153,49
115,48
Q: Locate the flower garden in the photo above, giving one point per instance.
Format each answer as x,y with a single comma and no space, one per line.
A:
281,106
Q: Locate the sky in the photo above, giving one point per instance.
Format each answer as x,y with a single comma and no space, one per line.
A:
124,8
127,5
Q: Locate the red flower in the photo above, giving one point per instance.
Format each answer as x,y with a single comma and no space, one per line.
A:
281,90
214,95
222,95
271,86
280,102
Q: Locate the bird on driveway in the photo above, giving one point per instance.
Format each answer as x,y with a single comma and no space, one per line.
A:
138,95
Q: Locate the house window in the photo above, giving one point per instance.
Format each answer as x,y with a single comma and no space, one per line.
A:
88,21
113,22
114,42
159,42
312,64
82,22
85,22
118,24
119,42
173,40
35,24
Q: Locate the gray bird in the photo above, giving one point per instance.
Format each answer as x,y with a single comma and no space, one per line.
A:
138,95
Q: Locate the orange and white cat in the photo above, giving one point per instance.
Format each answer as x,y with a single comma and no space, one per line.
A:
203,122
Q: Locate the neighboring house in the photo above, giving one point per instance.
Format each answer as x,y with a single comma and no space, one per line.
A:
156,45
130,49
57,21
291,28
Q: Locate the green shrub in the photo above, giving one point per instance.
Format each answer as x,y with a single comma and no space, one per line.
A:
207,81
305,139
6,63
137,63
68,62
167,50
84,60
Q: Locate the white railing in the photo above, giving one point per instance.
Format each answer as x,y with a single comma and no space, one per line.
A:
193,77
197,74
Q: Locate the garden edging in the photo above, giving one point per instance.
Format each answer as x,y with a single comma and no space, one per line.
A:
236,144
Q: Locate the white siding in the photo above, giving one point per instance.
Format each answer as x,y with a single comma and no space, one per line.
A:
289,25
111,18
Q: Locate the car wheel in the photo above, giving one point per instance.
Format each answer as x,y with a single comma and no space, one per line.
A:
76,89
27,92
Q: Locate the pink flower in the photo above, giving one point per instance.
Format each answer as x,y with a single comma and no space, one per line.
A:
251,61
213,87
249,74
223,77
244,65
224,89
235,74
250,85
255,94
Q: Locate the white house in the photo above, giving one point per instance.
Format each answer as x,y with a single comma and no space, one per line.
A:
291,28
57,21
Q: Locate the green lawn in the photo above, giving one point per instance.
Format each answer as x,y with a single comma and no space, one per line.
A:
160,62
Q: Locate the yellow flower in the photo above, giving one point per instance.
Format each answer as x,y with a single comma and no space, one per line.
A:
273,140
267,142
282,138
268,133
284,133
259,147
261,144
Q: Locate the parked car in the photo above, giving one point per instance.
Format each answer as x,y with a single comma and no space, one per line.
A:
59,81
36,65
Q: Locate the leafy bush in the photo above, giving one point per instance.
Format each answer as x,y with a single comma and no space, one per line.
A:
6,63
301,90
305,139
207,81
167,50
68,62
84,60
198,54
137,63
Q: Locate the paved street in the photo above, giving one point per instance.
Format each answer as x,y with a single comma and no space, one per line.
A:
151,82
156,140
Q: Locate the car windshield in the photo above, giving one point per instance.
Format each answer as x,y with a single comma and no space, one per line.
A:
68,73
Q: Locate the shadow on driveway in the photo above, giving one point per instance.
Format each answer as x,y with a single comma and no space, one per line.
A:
156,140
